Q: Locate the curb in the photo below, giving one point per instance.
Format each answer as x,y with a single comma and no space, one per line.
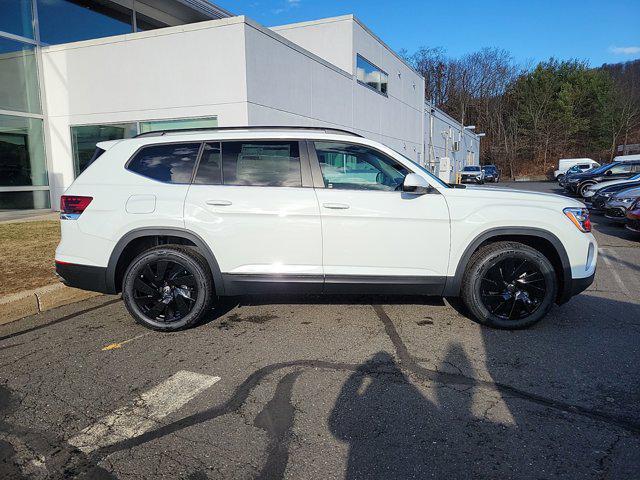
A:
31,302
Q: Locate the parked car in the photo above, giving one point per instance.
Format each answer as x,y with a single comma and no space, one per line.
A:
633,217
579,182
176,220
617,205
601,196
576,165
591,190
472,173
491,173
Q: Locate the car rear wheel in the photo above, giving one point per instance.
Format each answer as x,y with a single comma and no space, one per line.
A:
168,288
583,188
509,285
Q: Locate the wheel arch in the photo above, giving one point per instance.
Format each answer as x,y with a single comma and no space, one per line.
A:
542,240
118,257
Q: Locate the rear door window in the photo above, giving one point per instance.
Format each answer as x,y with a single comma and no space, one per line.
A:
168,163
261,163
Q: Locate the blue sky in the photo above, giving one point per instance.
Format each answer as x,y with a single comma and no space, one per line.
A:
604,31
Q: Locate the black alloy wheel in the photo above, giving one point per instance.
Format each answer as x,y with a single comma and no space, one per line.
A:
165,290
168,288
509,285
513,288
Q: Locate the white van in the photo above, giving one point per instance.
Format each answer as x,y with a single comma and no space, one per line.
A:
565,164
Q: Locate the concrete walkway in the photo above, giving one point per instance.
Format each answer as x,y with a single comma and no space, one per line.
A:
27,215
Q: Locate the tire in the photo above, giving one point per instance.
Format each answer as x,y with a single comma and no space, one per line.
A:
155,296
583,186
505,302
559,178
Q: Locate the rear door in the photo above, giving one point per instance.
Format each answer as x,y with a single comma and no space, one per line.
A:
376,237
253,203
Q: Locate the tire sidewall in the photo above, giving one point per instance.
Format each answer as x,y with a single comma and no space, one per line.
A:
203,285
478,309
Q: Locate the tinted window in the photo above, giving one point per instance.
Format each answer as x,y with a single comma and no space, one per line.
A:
82,20
210,167
471,169
356,167
264,164
172,163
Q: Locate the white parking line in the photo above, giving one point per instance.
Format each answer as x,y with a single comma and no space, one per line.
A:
614,272
144,413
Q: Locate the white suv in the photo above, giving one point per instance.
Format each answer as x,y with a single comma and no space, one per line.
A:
175,220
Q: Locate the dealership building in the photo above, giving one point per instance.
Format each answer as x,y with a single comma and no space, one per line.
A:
76,72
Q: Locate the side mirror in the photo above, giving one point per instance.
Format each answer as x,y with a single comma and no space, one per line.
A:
608,172
414,183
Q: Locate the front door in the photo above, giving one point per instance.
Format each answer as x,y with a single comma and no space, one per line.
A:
373,233
248,201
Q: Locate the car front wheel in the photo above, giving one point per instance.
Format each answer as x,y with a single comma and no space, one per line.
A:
167,288
509,285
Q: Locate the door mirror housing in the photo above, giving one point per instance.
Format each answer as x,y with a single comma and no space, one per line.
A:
608,172
414,183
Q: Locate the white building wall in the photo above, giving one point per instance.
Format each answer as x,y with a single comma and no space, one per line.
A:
395,119
186,71
440,134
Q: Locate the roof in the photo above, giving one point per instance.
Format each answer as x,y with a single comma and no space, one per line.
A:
210,10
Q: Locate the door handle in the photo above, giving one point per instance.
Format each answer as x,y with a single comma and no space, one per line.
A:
219,203
336,206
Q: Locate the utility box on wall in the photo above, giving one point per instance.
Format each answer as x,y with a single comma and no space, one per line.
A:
444,169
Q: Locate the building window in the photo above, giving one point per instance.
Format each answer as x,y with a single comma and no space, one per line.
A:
63,21
16,17
22,160
371,76
19,89
179,123
84,139
168,163
23,170
262,164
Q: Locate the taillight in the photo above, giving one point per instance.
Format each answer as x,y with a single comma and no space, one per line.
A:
71,206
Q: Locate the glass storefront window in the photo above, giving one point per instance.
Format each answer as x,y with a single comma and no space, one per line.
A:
202,122
24,200
22,159
18,77
82,20
16,17
84,139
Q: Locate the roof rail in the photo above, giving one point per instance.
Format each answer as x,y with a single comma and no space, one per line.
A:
157,133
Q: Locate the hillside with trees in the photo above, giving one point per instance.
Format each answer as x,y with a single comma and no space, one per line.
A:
532,116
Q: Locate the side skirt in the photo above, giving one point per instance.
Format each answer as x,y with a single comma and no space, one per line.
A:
252,284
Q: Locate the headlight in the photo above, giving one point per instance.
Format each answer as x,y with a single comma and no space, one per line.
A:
627,200
573,180
579,217
606,194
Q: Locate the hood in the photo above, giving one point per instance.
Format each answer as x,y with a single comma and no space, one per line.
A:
631,192
510,196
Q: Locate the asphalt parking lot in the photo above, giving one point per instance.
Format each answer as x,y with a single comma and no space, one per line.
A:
323,388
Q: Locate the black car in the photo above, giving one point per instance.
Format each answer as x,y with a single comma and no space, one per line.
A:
576,183
491,173
602,195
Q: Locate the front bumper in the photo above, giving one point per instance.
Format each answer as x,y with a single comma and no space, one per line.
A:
84,277
579,285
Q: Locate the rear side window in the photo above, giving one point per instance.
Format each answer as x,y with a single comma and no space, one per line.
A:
210,167
169,163
261,163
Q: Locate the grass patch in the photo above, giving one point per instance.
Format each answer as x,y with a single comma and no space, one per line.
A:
27,251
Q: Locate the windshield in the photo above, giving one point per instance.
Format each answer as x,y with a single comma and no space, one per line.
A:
602,168
471,168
